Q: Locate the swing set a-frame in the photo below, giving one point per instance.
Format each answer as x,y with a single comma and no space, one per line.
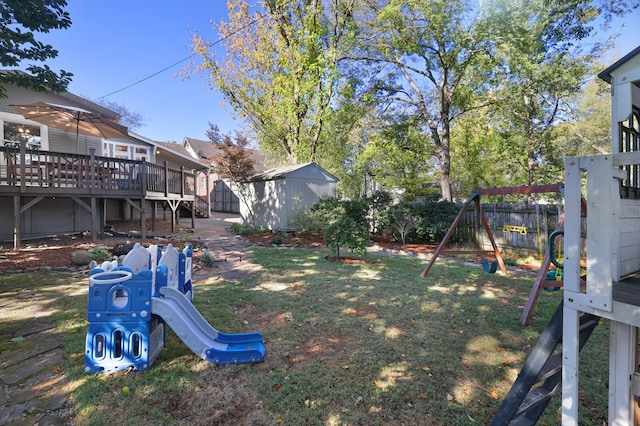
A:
541,279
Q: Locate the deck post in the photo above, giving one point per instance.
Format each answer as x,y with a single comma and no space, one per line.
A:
17,232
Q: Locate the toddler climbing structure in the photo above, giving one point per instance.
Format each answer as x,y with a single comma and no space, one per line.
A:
129,305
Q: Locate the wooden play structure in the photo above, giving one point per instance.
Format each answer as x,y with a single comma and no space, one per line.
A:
611,289
476,199
541,281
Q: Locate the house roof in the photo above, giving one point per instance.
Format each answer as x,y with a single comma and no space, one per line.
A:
173,152
607,73
203,150
283,172
75,99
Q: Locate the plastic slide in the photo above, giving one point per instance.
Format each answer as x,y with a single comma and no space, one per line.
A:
203,339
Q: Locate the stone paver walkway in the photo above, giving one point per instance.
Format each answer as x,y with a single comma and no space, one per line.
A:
33,367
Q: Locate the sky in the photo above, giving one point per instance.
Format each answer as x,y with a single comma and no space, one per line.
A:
113,44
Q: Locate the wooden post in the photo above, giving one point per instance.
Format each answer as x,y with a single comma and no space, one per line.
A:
17,226
94,220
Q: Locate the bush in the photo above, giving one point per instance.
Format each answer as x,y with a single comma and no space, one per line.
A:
403,222
241,229
346,232
206,259
100,254
381,214
434,219
343,223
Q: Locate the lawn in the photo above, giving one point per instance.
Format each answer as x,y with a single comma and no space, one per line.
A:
369,343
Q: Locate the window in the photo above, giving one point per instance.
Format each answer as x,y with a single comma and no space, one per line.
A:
125,151
16,129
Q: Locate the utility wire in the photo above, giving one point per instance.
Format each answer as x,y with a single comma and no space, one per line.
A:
218,41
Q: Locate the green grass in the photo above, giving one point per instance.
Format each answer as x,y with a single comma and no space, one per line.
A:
372,343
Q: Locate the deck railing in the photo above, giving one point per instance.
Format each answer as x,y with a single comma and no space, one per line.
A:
48,169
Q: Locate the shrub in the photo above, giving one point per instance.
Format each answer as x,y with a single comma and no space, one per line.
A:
434,219
403,222
100,254
346,232
241,229
206,259
380,211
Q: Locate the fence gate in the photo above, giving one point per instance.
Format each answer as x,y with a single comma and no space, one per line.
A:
224,200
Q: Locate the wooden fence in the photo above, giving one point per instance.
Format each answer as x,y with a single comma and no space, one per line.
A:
516,228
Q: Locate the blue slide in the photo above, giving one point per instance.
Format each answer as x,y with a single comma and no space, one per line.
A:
203,339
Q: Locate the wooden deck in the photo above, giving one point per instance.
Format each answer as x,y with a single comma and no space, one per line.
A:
29,176
46,172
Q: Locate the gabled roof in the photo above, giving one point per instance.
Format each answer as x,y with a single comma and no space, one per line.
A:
203,150
75,99
313,170
171,151
606,74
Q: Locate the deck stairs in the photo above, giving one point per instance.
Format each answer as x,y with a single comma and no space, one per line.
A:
200,207
541,375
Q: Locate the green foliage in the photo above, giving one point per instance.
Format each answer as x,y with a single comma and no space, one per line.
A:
100,254
343,223
20,20
2,255
206,259
241,229
277,240
278,73
434,219
403,221
345,232
381,215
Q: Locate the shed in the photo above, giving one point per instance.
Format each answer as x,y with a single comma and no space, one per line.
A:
275,196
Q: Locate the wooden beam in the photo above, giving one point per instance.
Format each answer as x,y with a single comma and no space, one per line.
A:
517,190
452,228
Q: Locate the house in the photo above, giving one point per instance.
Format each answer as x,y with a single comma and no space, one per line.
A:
58,182
274,197
212,186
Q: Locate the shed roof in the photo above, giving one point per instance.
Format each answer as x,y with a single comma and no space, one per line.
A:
301,170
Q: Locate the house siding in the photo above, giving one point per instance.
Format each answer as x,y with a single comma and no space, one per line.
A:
68,218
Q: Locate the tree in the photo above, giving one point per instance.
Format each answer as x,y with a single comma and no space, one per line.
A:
588,129
543,73
233,161
130,119
445,58
19,20
430,49
279,69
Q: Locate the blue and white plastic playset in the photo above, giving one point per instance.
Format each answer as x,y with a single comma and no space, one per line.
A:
130,304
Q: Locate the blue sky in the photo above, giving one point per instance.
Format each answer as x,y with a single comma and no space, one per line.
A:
113,44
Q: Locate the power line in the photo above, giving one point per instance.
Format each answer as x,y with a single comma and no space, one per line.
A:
218,41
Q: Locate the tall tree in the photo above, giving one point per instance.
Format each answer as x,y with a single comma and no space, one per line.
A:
279,69
445,58
429,49
543,73
19,21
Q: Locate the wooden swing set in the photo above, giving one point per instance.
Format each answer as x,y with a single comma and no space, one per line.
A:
541,278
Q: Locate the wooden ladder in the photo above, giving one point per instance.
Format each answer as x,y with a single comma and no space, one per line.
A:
541,375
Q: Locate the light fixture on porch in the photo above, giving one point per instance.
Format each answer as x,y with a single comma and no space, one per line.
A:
25,133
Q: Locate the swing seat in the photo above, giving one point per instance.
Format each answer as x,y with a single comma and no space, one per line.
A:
489,268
